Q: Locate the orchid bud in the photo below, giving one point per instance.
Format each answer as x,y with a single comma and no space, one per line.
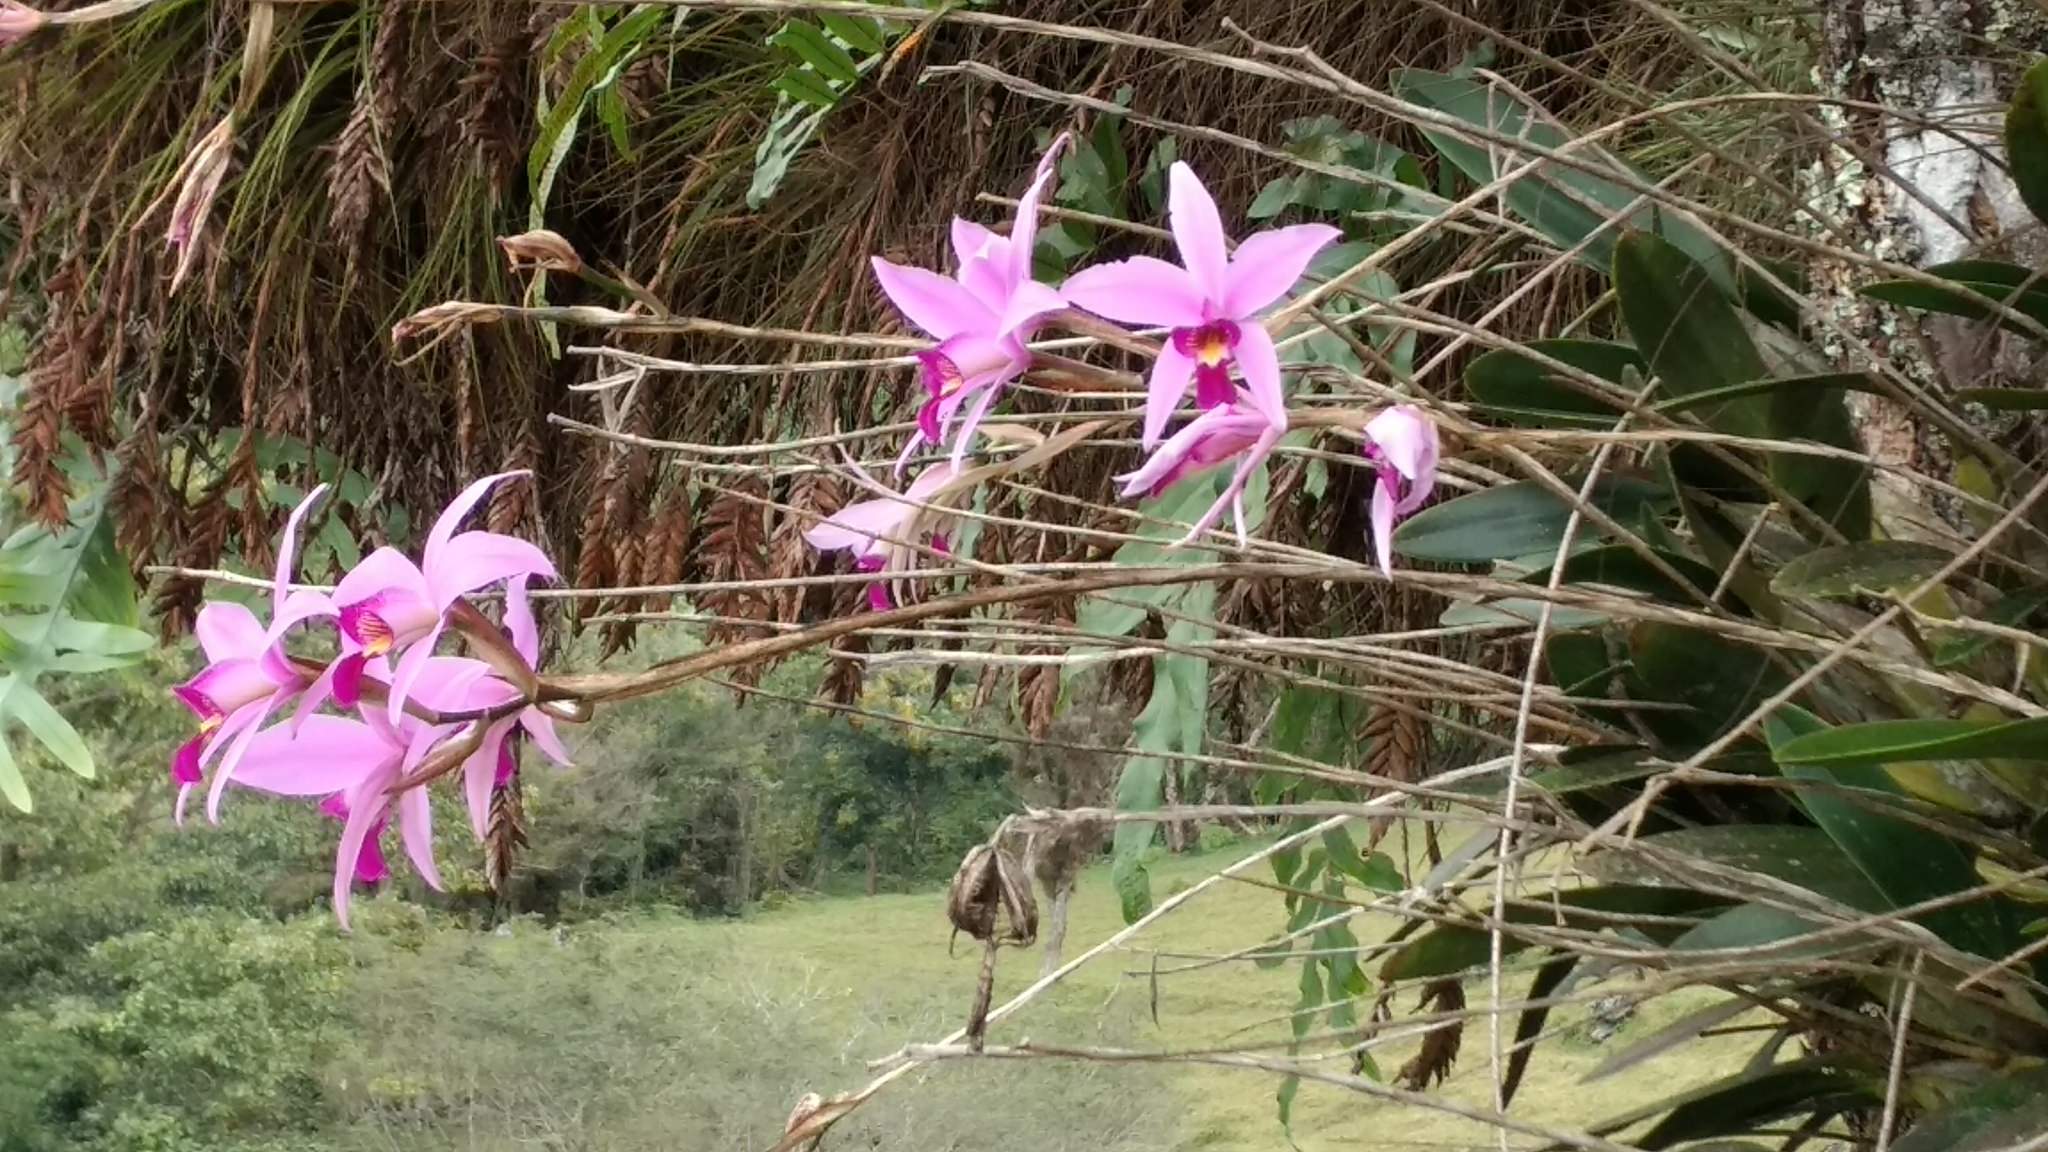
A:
17,21
540,249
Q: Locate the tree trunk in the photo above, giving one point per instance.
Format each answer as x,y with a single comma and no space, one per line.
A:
1176,831
1911,191
873,872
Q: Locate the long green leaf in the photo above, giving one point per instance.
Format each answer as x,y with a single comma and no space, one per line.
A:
1867,566
1741,1104
1897,741
1519,519
2002,1112
48,726
1515,385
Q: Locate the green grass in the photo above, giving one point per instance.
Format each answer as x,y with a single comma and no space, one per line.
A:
657,1031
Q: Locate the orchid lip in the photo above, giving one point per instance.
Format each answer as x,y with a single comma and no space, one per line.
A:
210,714
942,377
365,627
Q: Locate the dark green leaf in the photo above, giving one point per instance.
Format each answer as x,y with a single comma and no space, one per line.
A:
2002,1112
1741,1104
2026,139
1792,853
1518,519
1867,566
1908,863
1681,1031
1719,680
1688,331
806,87
1976,282
1530,1024
1896,741
2012,610
1623,567
1450,948
1756,926
1800,386
1516,385
2006,399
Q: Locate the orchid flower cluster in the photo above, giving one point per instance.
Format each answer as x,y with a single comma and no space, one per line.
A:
1208,310
354,731
364,730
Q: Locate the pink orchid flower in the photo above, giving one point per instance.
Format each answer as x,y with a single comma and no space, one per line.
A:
389,604
1209,302
876,531
1239,430
981,316
1402,446
353,765
491,766
247,675
17,21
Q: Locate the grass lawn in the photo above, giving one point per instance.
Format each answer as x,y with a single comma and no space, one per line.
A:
658,1031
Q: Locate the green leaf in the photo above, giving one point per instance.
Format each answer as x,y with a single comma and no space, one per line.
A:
1623,567
1802,386
1517,387
811,46
1566,204
1896,741
2013,610
1743,1103
806,87
2001,1112
2026,139
2006,399
1761,926
1450,948
2021,289
1867,566
1908,863
47,725
857,32
1687,330
1719,680
11,784
1518,519
1530,1025
1795,854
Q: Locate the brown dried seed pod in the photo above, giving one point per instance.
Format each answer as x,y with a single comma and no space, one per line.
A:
990,898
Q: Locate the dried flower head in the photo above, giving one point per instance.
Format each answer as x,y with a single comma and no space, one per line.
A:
991,899
541,250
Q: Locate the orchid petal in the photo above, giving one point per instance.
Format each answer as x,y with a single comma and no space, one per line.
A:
364,813
476,559
976,413
237,750
1267,264
1408,442
857,525
541,727
321,691
936,304
347,679
227,630
1197,230
451,517
1253,457
1383,527
1028,301
970,241
382,569
1260,363
224,735
1024,232
1140,290
329,754
230,684
410,666
1163,392
520,622
416,830
178,809
457,683
295,608
1178,449
480,776
288,549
